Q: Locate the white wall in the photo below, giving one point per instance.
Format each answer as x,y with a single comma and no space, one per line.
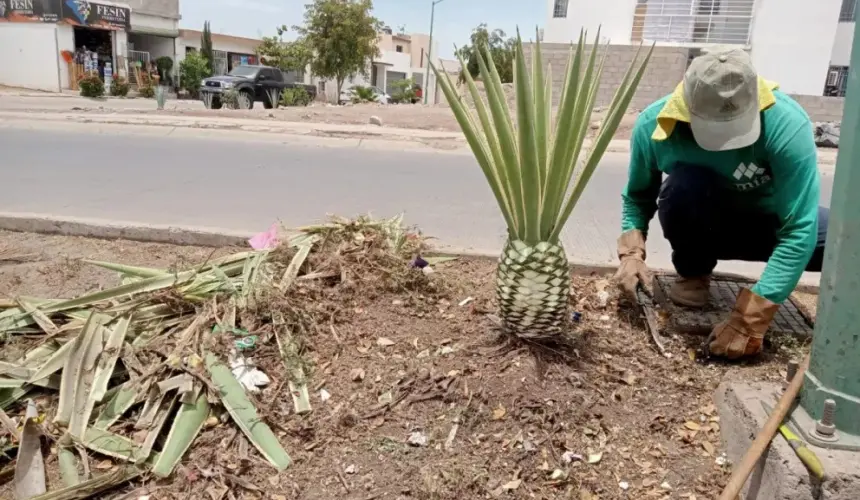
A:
220,44
29,56
792,41
65,41
146,21
841,54
615,17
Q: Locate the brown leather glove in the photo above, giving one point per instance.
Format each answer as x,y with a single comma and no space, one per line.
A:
743,333
632,271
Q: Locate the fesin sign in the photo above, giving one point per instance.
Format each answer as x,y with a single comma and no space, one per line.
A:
30,11
96,15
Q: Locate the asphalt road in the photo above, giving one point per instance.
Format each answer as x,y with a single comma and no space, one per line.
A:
245,186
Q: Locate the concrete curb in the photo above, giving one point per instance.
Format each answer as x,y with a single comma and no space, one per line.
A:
112,230
219,237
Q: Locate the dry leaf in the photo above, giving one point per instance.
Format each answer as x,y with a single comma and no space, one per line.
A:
384,342
512,485
693,426
499,413
595,458
104,465
709,448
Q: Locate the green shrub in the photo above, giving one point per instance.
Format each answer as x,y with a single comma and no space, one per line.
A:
297,96
92,86
165,65
119,86
403,91
147,91
362,94
230,98
192,70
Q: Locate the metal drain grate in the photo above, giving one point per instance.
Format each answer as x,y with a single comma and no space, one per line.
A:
724,291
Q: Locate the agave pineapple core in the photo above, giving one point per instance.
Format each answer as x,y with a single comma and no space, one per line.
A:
532,286
531,166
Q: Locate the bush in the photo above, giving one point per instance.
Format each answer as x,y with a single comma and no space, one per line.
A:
147,91
92,86
297,96
192,70
362,94
230,98
165,65
404,91
119,86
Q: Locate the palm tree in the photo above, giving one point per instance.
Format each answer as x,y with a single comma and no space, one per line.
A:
530,168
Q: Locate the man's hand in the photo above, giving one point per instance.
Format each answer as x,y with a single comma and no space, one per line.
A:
632,272
743,333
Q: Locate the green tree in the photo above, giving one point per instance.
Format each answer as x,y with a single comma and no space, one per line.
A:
285,55
192,70
342,36
501,47
206,47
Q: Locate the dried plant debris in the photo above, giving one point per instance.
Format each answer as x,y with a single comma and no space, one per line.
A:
134,372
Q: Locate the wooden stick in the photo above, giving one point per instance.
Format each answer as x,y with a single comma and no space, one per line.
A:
762,441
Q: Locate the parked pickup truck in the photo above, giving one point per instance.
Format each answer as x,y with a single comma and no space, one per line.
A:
255,82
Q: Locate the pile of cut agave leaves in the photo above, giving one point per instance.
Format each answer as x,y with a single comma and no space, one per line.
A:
86,355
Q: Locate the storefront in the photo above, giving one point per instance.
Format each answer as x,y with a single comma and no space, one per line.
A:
49,44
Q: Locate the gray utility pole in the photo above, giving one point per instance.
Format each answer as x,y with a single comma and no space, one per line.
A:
430,50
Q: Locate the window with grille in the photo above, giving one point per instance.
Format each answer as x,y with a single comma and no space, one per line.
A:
694,22
560,9
837,81
848,11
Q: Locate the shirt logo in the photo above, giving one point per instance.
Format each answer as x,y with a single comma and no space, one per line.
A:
750,176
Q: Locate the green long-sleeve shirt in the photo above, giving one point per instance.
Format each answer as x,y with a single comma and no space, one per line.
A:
778,174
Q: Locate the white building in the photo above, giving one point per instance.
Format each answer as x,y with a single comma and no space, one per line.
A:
794,42
40,37
402,56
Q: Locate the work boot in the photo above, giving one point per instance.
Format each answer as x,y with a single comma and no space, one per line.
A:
691,292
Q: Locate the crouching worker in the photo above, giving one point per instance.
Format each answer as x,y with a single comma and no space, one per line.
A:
728,162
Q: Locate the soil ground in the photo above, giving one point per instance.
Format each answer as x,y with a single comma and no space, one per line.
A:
471,415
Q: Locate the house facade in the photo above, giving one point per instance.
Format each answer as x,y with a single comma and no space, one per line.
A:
402,56
228,51
804,46
43,40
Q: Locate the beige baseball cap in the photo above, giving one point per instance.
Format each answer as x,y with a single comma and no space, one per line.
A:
721,92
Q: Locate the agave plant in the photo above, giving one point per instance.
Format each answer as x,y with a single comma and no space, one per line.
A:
530,167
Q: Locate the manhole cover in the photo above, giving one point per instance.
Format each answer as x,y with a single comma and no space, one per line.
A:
724,291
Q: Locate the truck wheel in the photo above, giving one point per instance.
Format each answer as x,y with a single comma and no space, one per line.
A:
248,101
216,103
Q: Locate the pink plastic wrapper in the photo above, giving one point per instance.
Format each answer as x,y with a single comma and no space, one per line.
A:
265,240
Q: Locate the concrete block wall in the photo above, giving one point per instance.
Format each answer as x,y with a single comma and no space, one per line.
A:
665,70
820,108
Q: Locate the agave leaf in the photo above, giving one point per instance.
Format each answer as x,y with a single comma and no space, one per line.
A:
528,147
39,317
294,266
133,271
95,486
107,361
186,426
616,111
298,384
68,463
30,465
117,405
541,116
122,291
110,444
242,410
9,397
78,371
154,430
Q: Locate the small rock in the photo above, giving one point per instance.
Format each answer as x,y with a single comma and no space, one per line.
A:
417,439
350,469
427,270
324,395
396,302
602,298
595,125
375,120
557,474
357,375
605,317
446,350
570,457
721,460
624,485
271,115
666,486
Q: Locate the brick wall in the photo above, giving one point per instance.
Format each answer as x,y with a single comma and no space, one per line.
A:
665,70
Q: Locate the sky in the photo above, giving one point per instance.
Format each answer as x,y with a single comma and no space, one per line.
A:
455,19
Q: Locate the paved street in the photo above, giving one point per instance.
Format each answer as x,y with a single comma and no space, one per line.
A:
244,186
